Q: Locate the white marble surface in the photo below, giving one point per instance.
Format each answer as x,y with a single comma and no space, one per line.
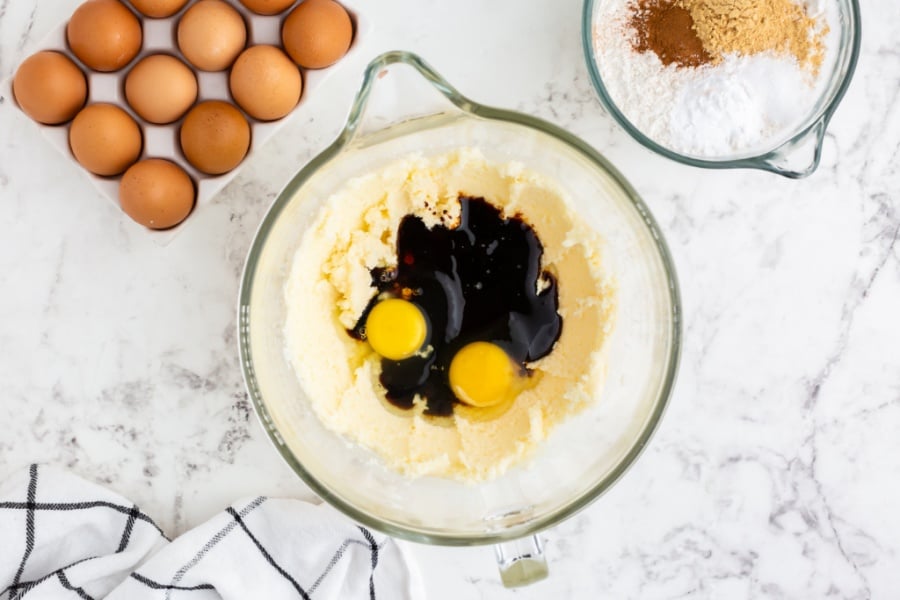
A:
776,472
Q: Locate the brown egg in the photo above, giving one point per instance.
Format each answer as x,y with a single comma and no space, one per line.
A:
317,33
265,83
104,34
267,7
160,88
211,34
156,193
158,9
105,139
215,137
50,88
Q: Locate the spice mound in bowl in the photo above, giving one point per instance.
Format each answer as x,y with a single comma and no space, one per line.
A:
715,79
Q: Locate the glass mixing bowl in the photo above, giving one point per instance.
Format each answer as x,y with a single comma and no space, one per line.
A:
796,153
581,458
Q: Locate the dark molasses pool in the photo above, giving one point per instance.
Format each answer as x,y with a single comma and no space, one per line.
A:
478,281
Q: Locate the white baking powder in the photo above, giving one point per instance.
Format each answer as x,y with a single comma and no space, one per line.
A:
741,106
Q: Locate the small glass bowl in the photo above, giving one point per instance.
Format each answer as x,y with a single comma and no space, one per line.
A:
794,155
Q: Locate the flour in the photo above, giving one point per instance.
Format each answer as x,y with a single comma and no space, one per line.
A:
739,107
739,104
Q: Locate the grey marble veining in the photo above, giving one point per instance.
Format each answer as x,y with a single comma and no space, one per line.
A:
775,472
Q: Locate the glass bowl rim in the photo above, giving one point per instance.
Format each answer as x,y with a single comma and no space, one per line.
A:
346,140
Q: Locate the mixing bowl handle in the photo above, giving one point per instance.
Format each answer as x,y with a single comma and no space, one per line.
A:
390,95
521,562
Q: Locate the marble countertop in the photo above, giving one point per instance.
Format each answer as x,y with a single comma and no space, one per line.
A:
776,472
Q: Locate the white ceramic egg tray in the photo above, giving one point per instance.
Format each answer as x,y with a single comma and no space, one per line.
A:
162,141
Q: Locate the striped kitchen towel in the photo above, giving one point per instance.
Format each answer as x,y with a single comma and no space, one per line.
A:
62,537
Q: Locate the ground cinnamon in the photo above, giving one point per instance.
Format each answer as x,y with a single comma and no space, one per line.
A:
667,29
691,33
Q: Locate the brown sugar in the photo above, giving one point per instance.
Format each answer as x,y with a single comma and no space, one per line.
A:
691,33
668,30
749,27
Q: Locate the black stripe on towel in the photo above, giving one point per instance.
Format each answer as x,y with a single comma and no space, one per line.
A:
155,585
373,545
62,506
266,554
213,541
129,526
64,581
29,524
24,586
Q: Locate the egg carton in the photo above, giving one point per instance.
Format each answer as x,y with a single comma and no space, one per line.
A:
162,141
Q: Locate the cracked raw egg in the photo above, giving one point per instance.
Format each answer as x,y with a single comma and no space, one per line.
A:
396,328
483,375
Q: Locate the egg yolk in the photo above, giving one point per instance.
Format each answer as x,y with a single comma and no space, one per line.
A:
396,329
483,375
